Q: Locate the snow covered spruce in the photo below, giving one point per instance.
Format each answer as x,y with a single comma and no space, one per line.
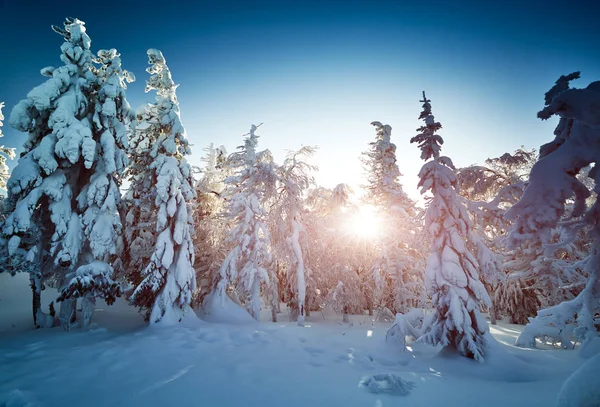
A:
62,225
452,274
162,184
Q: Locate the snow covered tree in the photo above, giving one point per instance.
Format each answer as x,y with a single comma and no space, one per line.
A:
334,256
452,276
250,258
383,187
543,206
99,199
63,193
492,189
489,190
516,300
5,153
293,181
210,225
396,262
165,186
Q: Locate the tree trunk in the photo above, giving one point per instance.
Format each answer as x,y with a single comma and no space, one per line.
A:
307,307
254,306
68,310
493,315
492,309
345,317
274,314
88,303
36,300
294,312
274,295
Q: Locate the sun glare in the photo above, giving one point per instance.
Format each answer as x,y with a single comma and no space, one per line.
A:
365,223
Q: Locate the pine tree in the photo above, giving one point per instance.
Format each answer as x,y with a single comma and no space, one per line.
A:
64,192
168,280
451,277
247,263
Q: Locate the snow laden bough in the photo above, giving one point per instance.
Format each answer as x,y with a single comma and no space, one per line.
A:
413,324
553,181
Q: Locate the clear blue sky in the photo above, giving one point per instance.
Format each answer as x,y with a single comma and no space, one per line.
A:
318,72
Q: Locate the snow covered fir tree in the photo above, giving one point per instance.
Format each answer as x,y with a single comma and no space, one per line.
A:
452,275
315,258
63,194
163,184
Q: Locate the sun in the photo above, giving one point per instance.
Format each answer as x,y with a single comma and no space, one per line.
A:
365,223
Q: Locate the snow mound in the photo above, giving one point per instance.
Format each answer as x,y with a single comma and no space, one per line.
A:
222,309
582,388
387,383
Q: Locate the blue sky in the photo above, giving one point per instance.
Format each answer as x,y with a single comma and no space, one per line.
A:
318,72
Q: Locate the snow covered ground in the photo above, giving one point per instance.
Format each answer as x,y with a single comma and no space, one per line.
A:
118,361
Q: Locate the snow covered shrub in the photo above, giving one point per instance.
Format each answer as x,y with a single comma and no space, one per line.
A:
452,275
549,325
400,329
553,181
162,182
63,193
387,383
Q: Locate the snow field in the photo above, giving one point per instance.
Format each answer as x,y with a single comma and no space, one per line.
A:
120,362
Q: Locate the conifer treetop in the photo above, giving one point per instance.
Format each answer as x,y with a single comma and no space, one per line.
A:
429,142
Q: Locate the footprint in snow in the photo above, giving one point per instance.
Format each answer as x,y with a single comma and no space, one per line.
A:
313,351
209,336
316,363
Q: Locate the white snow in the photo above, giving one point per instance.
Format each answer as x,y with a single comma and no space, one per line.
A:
117,361
582,388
